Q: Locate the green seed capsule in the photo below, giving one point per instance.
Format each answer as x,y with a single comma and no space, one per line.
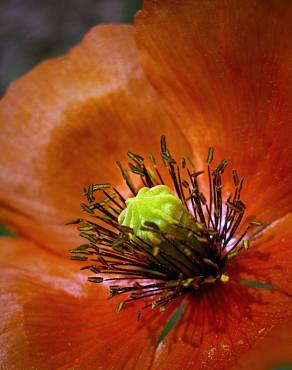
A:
156,205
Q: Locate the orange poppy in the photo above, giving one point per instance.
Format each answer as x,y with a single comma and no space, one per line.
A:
218,74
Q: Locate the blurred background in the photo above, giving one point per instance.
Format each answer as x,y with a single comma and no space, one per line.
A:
33,30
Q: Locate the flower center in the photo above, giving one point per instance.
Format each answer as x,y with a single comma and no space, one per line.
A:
157,244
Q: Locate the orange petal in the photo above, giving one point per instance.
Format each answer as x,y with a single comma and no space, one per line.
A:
53,318
224,72
65,123
274,352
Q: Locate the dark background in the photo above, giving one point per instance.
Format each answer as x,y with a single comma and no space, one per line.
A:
33,30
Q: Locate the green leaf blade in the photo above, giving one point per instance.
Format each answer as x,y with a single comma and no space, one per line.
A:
171,323
256,284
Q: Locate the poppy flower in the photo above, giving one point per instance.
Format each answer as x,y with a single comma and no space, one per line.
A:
212,73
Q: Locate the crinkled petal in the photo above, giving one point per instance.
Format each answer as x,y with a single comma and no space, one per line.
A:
65,123
224,71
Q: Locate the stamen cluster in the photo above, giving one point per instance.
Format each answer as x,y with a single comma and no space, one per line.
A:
191,257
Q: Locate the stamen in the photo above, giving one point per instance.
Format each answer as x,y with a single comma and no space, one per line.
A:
162,242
